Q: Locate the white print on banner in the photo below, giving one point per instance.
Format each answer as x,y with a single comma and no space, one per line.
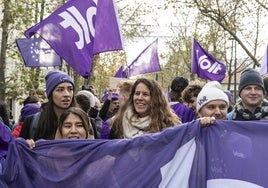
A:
205,64
73,18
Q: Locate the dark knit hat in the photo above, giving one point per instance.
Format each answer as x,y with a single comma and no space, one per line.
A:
250,77
54,78
29,109
179,84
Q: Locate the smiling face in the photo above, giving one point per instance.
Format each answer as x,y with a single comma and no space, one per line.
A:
252,96
72,128
215,108
142,99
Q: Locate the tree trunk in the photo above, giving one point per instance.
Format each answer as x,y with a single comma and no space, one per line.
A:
5,24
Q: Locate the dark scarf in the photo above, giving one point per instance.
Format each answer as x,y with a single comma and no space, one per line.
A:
260,113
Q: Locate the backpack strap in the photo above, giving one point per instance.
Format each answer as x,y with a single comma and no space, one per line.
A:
34,124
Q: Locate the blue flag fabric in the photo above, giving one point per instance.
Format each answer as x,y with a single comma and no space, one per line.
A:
264,64
37,53
78,30
146,62
205,65
226,154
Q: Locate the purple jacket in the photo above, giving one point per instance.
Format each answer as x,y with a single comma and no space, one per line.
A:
105,131
183,111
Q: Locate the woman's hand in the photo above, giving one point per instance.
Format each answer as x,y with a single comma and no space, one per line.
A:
31,143
206,121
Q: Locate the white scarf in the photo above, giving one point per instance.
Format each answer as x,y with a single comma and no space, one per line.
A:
136,127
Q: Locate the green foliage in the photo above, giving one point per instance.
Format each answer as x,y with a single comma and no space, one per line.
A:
24,80
213,23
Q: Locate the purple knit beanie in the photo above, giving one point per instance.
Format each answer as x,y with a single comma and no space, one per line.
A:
54,78
29,109
115,96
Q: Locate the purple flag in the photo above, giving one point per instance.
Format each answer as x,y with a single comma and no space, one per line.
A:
146,62
37,53
264,65
205,65
78,30
119,73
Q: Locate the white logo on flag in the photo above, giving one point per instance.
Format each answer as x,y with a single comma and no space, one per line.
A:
206,64
83,27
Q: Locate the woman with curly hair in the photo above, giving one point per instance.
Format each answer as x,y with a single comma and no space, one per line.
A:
146,111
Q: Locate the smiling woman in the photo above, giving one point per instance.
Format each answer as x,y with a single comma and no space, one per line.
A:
146,111
74,124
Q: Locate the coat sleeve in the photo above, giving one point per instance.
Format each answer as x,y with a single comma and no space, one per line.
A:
25,130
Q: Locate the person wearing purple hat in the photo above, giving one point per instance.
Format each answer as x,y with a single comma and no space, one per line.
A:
60,94
26,111
110,105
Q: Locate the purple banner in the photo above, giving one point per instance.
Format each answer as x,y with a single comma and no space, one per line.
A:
232,154
146,62
37,53
78,30
102,163
205,65
225,154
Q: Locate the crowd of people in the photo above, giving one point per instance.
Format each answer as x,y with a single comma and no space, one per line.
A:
136,108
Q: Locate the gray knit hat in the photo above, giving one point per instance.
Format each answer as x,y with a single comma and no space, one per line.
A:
250,77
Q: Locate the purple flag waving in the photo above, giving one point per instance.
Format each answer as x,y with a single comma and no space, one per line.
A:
205,65
119,73
78,30
264,65
146,62
37,53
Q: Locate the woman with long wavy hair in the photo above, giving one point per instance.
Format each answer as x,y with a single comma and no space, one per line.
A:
146,111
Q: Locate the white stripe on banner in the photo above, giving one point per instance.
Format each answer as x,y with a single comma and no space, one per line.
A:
176,172
230,183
